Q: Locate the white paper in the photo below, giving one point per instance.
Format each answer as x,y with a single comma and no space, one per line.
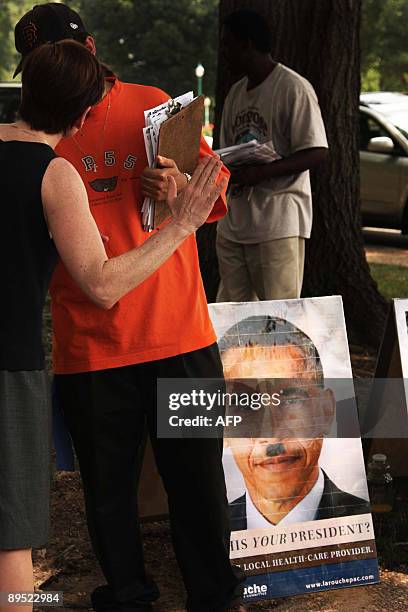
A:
251,152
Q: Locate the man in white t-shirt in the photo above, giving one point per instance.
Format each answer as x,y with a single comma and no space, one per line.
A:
260,243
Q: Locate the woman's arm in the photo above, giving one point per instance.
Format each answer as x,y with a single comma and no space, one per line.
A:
79,243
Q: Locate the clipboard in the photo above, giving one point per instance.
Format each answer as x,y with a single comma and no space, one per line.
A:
179,139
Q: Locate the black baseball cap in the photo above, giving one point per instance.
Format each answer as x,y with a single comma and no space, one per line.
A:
46,23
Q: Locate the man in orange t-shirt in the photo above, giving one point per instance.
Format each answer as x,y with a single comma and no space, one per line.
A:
107,362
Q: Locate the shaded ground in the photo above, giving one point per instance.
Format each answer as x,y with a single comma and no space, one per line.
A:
387,255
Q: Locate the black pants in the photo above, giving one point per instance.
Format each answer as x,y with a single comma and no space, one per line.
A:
107,412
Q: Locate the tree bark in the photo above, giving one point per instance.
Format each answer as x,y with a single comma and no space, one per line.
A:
320,39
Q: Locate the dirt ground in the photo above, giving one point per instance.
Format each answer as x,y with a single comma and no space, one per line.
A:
387,255
68,563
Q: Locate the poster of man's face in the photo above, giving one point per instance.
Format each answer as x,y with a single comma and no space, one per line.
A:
284,465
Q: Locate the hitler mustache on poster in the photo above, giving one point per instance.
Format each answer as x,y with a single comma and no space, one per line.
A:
296,485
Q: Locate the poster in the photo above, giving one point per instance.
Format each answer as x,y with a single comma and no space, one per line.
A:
297,488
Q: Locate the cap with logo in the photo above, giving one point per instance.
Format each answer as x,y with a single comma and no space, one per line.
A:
46,23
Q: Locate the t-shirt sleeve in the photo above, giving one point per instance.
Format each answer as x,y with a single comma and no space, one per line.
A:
306,128
220,206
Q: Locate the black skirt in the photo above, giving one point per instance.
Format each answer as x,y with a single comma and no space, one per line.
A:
25,471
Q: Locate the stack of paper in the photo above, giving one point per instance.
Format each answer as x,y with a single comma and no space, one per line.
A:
251,152
154,117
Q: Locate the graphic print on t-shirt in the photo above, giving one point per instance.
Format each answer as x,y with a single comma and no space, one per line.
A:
101,184
109,160
248,125
106,177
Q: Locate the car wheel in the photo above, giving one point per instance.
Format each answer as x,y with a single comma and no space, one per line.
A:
404,222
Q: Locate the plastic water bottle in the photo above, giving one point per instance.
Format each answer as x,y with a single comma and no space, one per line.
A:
380,484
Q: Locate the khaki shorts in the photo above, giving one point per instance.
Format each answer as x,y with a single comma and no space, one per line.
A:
270,270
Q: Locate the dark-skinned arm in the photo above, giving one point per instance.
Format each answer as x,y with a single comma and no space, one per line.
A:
296,163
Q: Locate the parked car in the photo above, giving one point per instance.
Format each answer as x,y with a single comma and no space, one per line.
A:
384,159
9,101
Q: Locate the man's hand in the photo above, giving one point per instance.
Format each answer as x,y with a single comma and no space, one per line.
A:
298,162
154,181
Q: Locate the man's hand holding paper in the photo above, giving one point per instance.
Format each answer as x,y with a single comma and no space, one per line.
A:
174,145
295,163
249,162
154,181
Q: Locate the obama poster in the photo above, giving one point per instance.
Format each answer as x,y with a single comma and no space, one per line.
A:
296,483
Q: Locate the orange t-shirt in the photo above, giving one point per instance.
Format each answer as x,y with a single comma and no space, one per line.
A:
167,314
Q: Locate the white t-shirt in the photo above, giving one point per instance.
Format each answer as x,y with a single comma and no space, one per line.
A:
282,109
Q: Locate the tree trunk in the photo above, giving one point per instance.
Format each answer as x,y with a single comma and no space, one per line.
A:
320,39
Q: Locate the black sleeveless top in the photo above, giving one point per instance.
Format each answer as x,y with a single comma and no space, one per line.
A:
27,254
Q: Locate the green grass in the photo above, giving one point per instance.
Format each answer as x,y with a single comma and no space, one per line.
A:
392,280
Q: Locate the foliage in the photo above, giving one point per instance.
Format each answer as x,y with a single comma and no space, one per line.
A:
156,42
10,13
163,40
384,61
5,46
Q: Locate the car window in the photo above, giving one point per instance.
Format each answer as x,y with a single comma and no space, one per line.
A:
370,128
